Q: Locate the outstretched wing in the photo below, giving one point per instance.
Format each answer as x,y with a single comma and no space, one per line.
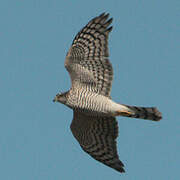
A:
97,136
87,60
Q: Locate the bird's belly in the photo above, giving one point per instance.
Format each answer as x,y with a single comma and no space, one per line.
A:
92,104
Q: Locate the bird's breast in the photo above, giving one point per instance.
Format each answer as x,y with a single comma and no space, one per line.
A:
89,102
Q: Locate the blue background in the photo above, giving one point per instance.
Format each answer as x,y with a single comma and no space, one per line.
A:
35,138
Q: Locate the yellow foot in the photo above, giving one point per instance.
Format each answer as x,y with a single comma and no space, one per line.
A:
124,113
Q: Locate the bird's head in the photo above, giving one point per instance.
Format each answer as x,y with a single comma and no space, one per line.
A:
61,98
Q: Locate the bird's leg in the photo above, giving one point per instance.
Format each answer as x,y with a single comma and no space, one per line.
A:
124,113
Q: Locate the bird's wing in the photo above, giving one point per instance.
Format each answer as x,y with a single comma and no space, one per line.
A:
87,59
97,136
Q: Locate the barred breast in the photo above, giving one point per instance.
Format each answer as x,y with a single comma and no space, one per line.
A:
88,101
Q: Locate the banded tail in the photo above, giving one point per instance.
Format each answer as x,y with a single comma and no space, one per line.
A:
150,113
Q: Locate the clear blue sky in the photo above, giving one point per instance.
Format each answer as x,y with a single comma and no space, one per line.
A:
35,138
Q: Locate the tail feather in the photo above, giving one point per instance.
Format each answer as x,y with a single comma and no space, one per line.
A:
150,113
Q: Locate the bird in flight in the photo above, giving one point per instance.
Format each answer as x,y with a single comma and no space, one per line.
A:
94,123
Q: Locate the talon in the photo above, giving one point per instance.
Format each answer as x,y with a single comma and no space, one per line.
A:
124,113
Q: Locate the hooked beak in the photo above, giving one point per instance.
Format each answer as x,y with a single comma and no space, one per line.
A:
55,99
